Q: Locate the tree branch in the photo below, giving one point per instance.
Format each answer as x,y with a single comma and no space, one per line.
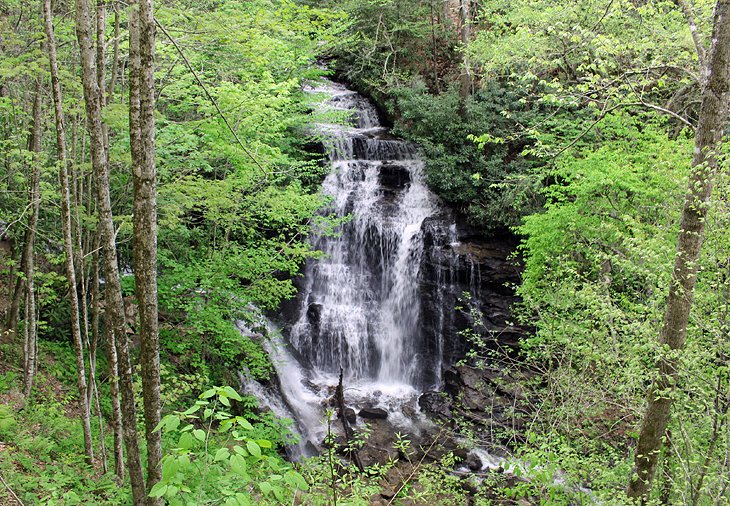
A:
210,97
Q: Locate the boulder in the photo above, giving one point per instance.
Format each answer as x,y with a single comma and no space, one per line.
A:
473,462
435,403
373,413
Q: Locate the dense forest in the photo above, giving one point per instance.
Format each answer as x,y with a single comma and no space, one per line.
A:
168,197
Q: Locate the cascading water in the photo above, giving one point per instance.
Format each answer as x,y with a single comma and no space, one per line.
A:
359,308
378,301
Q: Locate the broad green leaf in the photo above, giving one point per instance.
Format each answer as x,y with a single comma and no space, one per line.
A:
158,490
254,448
186,441
221,454
232,393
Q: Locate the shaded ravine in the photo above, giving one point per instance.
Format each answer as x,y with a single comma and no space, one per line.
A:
380,303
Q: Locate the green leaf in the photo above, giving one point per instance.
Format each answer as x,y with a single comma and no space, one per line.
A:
192,409
158,490
186,441
199,434
244,423
265,487
162,423
169,468
294,478
243,500
254,448
232,393
238,465
221,454
172,423
208,394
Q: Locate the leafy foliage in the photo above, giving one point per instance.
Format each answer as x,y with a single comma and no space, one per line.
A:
214,457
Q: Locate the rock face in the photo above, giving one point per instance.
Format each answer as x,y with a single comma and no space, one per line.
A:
486,398
466,283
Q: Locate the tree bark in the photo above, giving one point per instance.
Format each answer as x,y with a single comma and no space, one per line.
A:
142,141
115,316
67,237
115,59
113,374
465,19
30,335
684,276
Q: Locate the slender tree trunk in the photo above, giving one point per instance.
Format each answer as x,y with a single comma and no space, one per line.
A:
18,292
114,302
116,406
113,372
465,19
67,237
115,60
142,140
30,326
684,276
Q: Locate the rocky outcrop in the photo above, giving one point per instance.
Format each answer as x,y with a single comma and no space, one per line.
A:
489,400
466,284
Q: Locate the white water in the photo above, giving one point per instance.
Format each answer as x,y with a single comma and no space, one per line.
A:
359,308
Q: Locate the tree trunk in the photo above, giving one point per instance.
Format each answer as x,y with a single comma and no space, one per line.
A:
115,317
142,141
67,238
679,302
115,60
30,335
113,374
465,19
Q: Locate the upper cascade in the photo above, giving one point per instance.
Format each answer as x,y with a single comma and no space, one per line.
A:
359,308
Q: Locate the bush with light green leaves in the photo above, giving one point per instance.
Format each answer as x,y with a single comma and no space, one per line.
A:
212,456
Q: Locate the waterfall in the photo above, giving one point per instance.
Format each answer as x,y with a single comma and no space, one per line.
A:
379,303
360,306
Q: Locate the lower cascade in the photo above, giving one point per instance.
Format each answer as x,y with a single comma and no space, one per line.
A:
379,305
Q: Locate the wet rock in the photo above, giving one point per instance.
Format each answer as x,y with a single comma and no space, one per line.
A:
435,403
460,454
350,415
394,175
373,413
314,316
379,447
473,462
311,448
387,492
409,411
